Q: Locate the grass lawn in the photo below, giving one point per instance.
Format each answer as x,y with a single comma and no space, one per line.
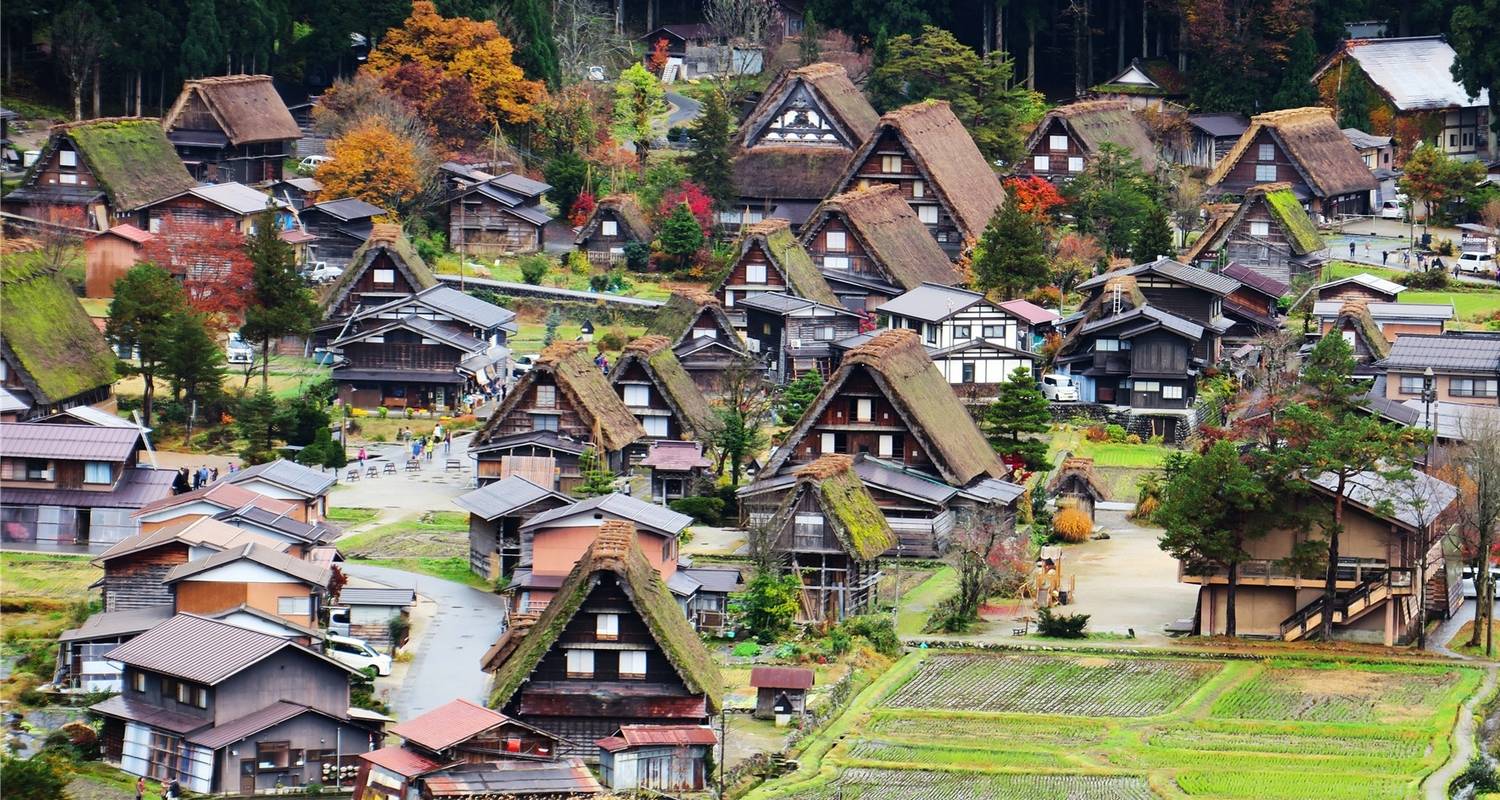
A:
645,287
449,569
1107,454
47,575
1460,642
435,534
918,604
289,374
1470,303
349,517
530,335
954,725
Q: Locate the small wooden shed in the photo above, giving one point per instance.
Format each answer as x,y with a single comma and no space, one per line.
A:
108,255
664,758
1075,483
780,691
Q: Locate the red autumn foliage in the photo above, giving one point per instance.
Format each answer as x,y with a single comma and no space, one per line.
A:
700,204
211,261
582,208
446,103
1036,196
659,56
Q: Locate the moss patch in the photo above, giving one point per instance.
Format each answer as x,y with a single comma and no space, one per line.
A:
49,332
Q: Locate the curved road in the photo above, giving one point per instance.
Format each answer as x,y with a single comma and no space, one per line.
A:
684,110
446,662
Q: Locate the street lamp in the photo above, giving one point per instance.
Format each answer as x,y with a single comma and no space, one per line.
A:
1429,394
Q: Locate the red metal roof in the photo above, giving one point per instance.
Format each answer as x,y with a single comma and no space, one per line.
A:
674,456
130,233
296,236
401,761
449,724
781,678
223,494
658,736
1029,311
68,442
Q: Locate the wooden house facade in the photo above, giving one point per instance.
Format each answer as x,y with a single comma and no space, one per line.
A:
341,227
496,513
871,247
1068,137
1304,149
1255,307
1075,485
496,215
232,128
703,337
611,649
383,269
781,692
771,259
974,343
617,221
1268,232
108,255
657,758
135,568
1210,137
793,335
660,393
925,151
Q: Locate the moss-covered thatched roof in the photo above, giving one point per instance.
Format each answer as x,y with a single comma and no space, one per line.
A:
585,387
1286,209
615,551
389,238
1357,314
900,366
856,520
655,355
1083,469
892,235
44,328
675,319
787,254
129,157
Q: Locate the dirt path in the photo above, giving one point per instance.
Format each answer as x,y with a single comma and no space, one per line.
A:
1436,785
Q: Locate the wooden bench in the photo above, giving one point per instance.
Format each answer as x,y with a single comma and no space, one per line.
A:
353,474
413,464
390,468
371,471
452,465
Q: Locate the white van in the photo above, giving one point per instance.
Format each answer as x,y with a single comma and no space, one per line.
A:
239,351
358,654
1476,263
1059,388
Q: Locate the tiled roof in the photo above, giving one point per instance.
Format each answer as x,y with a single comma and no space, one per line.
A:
306,481
1449,353
504,497
782,677
67,442
449,724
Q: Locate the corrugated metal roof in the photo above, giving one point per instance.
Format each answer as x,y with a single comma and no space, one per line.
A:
1415,72
1367,280
1174,270
719,580
223,494
449,724
193,531
562,778
465,307
521,184
401,761
1455,421
659,518
1365,141
504,497
930,302
202,650
1388,311
305,571
1462,353
256,721
993,490
890,477
1370,489
1029,311
138,487
348,208
108,624
782,677
1264,284
376,596
68,442
92,416
122,707
660,736
303,480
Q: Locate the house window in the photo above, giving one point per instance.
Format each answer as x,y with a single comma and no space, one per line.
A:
606,627
655,426
377,339
825,333
67,158
1075,163
184,693
200,697
1260,229
890,165
968,372
1148,386
836,241
546,397
138,681
1041,163
580,663
67,177
38,469
637,395
273,755
1106,345
836,262
154,225
632,665
294,606
544,422
1265,173
1170,392
918,189
1411,384
887,447
755,273
609,228
1266,152
1057,142
864,409
929,332
826,443
384,277
97,472
1471,387
927,214
960,332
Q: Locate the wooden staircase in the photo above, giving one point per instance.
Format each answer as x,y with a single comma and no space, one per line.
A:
1347,607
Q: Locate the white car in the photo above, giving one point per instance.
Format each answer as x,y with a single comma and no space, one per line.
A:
323,272
311,163
1393,209
522,364
1059,388
358,654
238,350
1476,263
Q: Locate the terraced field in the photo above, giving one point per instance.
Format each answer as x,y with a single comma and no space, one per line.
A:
956,726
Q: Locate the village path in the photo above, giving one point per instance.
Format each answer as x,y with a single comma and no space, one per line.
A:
1436,785
684,110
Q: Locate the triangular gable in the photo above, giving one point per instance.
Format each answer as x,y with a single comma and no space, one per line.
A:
932,413
654,356
246,108
857,522
130,158
390,240
623,209
1315,145
888,230
684,312
787,256
439,333
1133,76
615,551
1094,123
584,386
836,112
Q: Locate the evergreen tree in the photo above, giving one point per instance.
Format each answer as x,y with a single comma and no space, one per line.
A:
808,48
537,52
710,165
193,361
881,85
639,100
554,321
568,174
680,235
1020,408
255,422
597,478
737,440
203,42
1154,238
280,305
1354,99
798,395
1297,89
1473,31
145,316
1011,257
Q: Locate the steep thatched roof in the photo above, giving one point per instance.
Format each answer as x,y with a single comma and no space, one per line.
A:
585,387
676,317
1101,305
1083,469
47,332
774,236
655,355
1099,122
1283,206
1357,314
626,210
902,369
829,84
384,238
1315,143
1220,215
956,172
788,171
130,157
246,107
891,233
615,551
857,522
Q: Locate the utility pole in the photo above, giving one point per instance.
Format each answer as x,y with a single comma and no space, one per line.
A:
723,745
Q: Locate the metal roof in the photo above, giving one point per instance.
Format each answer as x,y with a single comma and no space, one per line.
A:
660,736
930,302
193,531
1220,125
236,197
138,487
1029,311
1365,141
1367,280
93,416
993,490
561,778
122,707
376,596
1455,421
401,761
893,478
659,518
304,571
670,455
292,628
224,495
1165,319
683,584
281,522
520,184
547,439
775,302
13,399
1461,353
782,677
449,724
241,727
1370,489
505,497
1416,73
203,650
718,580
1385,312
303,480
1264,284
348,208
67,442
1174,270
466,307
109,624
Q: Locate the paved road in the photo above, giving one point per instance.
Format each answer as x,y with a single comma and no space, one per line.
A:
1436,785
446,663
684,110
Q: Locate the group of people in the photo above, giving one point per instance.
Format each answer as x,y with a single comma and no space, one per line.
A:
187,481
1422,262
423,445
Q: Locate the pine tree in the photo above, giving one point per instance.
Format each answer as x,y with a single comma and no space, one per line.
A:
710,165
1297,89
554,321
881,85
1020,408
280,304
203,42
809,49
681,235
255,422
144,317
193,360
798,395
537,53
1011,256
1154,238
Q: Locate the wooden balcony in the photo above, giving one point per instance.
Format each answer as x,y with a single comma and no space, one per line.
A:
1271,572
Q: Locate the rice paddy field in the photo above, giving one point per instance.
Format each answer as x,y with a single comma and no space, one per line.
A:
1058,726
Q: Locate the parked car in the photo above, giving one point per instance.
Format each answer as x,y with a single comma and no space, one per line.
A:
238,350
311,163
1476,263
1468,580
1392,209
1059,388
323,272
522,364
357,653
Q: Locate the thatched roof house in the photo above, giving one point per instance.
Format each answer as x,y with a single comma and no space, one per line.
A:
124,163
246,107
690,310
1268,231
623,208
386,249
1087,126
589,408
48,343
1305,148
772,242
887,233
851,513
651,358
1076,481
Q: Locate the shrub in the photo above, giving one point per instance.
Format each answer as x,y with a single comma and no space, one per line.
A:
399,627
703,510
1426,279
637,256
1445,247
769,605
533,269
838,642
746,650
1045,296
1156,440
577,263
1133,439
39,778
1061,626
1096,433
1072,525
612,339
1116,433
878,630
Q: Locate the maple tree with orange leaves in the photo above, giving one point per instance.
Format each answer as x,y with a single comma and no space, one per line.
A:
373,163
1035,196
